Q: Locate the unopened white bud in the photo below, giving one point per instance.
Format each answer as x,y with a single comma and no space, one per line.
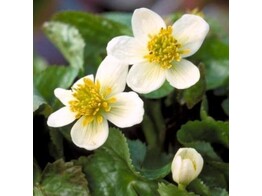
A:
186,166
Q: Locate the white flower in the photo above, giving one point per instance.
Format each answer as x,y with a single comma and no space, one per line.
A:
95,102
157,51
186,166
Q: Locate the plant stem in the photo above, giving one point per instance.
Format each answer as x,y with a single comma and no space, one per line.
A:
181,187
149,132
155,113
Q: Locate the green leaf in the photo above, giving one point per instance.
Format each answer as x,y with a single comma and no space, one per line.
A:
110,171
56,148
221,167
200,134
39,64
170,189
217,73
153,174
96,31
194,94
68,40
54,77
40,106
138,154
213,177
213,48
199,187
36,172
204,110
60,178
92,26
214,53
137,151
119,17
210,131
219,192
217,30
225,106
38,191
206,150
163,91
38,100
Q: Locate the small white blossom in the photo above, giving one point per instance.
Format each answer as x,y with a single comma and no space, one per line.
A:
94,102
186,166
157,51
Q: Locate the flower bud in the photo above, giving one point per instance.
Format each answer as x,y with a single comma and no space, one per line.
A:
186,166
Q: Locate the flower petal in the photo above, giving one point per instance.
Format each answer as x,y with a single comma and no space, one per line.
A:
81,80
127,49
64,95
89,136
61,117
187,172
127,111
183,74
198,161
176,167
111,74
145,77
146,22
190,31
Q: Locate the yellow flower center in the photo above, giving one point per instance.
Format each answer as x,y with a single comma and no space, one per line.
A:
163,48
90,102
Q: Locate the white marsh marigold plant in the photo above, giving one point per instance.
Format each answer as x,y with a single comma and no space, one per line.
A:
93,102
157,51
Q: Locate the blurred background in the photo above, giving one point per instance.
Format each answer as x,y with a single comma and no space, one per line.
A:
43,11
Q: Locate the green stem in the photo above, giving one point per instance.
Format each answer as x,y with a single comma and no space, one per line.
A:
149,132
181,187
154,110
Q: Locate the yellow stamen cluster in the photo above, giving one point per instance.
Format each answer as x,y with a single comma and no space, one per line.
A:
90,102
163,48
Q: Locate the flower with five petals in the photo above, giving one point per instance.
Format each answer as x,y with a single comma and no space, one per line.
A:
157,51
94,102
